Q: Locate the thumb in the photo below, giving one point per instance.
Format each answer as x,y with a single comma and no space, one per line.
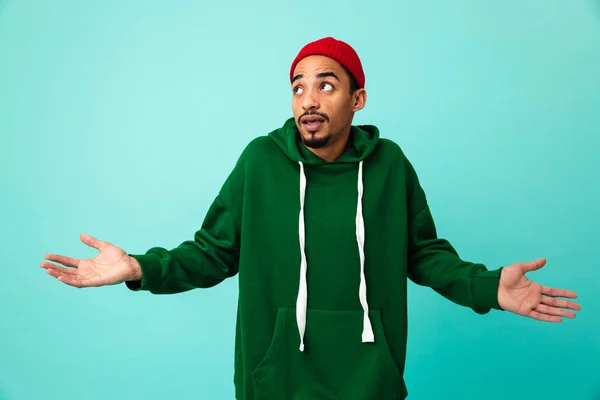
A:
533,265
91,241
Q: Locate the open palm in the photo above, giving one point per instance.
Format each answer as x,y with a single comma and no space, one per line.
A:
520,295
111,266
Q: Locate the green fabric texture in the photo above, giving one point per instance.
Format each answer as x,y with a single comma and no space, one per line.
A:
251,230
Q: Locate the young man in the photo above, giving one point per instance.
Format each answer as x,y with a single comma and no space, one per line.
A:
323,222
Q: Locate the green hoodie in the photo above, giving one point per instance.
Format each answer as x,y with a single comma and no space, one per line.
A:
322,266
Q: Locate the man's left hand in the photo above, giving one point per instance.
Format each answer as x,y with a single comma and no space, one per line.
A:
524,297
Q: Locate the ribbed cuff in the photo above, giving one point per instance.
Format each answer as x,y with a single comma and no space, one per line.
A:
149,266
484,288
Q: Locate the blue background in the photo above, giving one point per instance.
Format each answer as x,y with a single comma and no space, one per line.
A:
122,119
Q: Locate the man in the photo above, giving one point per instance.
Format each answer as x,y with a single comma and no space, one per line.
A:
323,222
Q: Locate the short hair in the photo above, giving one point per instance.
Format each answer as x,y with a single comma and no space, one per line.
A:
353,83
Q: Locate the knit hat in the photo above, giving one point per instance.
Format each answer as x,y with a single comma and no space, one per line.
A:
338,50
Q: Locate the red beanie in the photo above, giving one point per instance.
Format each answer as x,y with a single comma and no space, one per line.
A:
339,51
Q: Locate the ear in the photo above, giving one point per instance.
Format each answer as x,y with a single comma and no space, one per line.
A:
359,100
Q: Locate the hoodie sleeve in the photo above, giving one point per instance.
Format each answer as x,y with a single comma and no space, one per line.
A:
208,259
434,262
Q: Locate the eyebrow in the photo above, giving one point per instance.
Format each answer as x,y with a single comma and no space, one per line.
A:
319,76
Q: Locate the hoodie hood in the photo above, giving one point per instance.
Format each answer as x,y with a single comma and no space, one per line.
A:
363,140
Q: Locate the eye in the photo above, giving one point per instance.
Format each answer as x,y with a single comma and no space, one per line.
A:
297,90
326,87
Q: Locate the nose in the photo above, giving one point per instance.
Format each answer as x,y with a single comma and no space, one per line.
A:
310,100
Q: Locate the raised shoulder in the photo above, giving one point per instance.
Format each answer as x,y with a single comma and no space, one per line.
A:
390,146
391,152
258,148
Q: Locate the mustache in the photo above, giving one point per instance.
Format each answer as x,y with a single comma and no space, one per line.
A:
322,115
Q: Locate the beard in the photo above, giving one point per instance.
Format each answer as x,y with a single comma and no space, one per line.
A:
315,142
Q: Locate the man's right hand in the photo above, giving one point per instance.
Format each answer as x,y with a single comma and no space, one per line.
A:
111,266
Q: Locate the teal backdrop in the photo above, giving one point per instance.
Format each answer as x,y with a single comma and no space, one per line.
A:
121,119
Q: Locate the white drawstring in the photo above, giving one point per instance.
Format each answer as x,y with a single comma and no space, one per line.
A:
367,334
301,301
302,292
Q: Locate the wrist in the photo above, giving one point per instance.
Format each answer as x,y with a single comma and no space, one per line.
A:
136,269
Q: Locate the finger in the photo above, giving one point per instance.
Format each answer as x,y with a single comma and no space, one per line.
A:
91,241
544,309
554,302
533,265
64,260
60,276
70,276
553,292
544,317
76,281
71,281
67,271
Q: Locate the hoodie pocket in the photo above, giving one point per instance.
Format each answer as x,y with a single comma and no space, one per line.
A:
335,364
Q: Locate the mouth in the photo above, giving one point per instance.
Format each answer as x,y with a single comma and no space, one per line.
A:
312,123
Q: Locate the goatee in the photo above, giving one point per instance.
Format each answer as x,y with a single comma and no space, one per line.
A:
315,142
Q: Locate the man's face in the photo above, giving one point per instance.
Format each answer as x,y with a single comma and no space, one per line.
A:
322,102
